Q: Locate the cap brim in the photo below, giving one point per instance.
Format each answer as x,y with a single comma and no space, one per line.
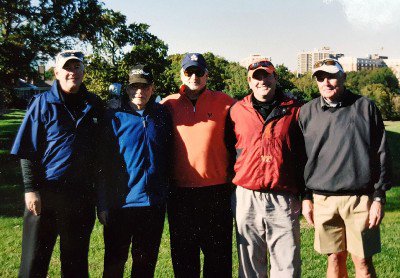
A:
193,64
62,62
140,80
268,70
326,68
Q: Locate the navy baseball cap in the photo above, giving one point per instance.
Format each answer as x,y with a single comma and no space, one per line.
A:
194,60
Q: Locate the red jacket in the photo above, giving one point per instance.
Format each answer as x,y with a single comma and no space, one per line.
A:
269,153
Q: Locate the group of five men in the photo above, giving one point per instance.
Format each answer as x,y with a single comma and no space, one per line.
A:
183,155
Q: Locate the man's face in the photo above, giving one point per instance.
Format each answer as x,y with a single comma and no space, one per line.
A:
330,85
194,78
70,76
263,85
139,94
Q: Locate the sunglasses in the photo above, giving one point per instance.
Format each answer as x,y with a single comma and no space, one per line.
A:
197,71
76,54
321,77
328,62
256,65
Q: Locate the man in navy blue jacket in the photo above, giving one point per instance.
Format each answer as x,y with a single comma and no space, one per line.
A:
57,145
132,195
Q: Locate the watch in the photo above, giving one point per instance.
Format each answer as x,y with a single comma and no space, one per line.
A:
381,200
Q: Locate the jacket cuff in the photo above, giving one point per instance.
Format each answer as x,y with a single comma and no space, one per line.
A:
307,195
379,193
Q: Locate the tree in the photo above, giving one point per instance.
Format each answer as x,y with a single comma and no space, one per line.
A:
306,87
32,33
355,81
236,81
118,47
382,96
285,78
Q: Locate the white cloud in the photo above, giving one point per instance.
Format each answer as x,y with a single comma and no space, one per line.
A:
371,14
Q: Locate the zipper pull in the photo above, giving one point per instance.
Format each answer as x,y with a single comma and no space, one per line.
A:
144,122
194,108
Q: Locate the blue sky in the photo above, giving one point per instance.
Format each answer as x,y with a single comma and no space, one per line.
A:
279,29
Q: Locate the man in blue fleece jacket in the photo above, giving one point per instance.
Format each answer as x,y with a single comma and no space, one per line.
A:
134,185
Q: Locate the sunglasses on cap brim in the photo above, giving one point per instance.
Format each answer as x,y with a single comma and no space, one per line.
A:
256,65
76,54
328,62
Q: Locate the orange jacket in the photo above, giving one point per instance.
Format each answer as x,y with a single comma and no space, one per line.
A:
199,151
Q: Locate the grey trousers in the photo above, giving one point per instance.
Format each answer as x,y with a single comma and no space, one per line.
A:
267,221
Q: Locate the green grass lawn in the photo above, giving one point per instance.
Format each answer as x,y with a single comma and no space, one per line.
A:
11,207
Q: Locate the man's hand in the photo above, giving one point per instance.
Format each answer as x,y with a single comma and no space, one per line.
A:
307,211
33,202
376,214
103,217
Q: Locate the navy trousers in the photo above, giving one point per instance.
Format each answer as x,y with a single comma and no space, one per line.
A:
140,227
70,216
201,219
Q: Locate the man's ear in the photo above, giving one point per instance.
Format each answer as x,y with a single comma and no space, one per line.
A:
56,72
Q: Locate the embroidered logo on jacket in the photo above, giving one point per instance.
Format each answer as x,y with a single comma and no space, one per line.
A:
266,158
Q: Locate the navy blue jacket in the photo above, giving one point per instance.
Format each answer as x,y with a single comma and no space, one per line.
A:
62,147
136,153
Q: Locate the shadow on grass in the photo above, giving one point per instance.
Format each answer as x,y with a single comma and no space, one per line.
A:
11,189
394,145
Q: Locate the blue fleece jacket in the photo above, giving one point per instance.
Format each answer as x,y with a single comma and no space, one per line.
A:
136,154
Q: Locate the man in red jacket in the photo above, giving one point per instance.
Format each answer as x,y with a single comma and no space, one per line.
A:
268,175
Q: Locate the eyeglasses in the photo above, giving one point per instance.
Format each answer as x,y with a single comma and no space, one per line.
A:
265,64
194,70
328,62
76,54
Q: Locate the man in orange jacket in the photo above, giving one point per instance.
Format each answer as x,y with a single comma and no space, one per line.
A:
199,204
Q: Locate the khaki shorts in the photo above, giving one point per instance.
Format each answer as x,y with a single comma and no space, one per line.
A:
341,223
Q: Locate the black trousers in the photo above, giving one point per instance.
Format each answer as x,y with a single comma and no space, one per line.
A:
141,226
201,219
69,216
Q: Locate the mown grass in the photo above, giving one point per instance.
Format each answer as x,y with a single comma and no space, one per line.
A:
11,208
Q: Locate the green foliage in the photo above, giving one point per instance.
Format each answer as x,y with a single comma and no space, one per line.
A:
118,48
223,75
382,97
285,78
31,33
356,80
236,81
305,87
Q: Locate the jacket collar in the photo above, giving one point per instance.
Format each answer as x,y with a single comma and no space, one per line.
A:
55,94
127,108
183,93
281,98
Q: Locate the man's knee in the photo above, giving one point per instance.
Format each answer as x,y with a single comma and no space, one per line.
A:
337,259
364,266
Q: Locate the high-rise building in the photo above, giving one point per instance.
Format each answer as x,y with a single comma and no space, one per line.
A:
306,60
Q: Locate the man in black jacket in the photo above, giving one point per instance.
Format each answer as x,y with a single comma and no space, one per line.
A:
347,171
